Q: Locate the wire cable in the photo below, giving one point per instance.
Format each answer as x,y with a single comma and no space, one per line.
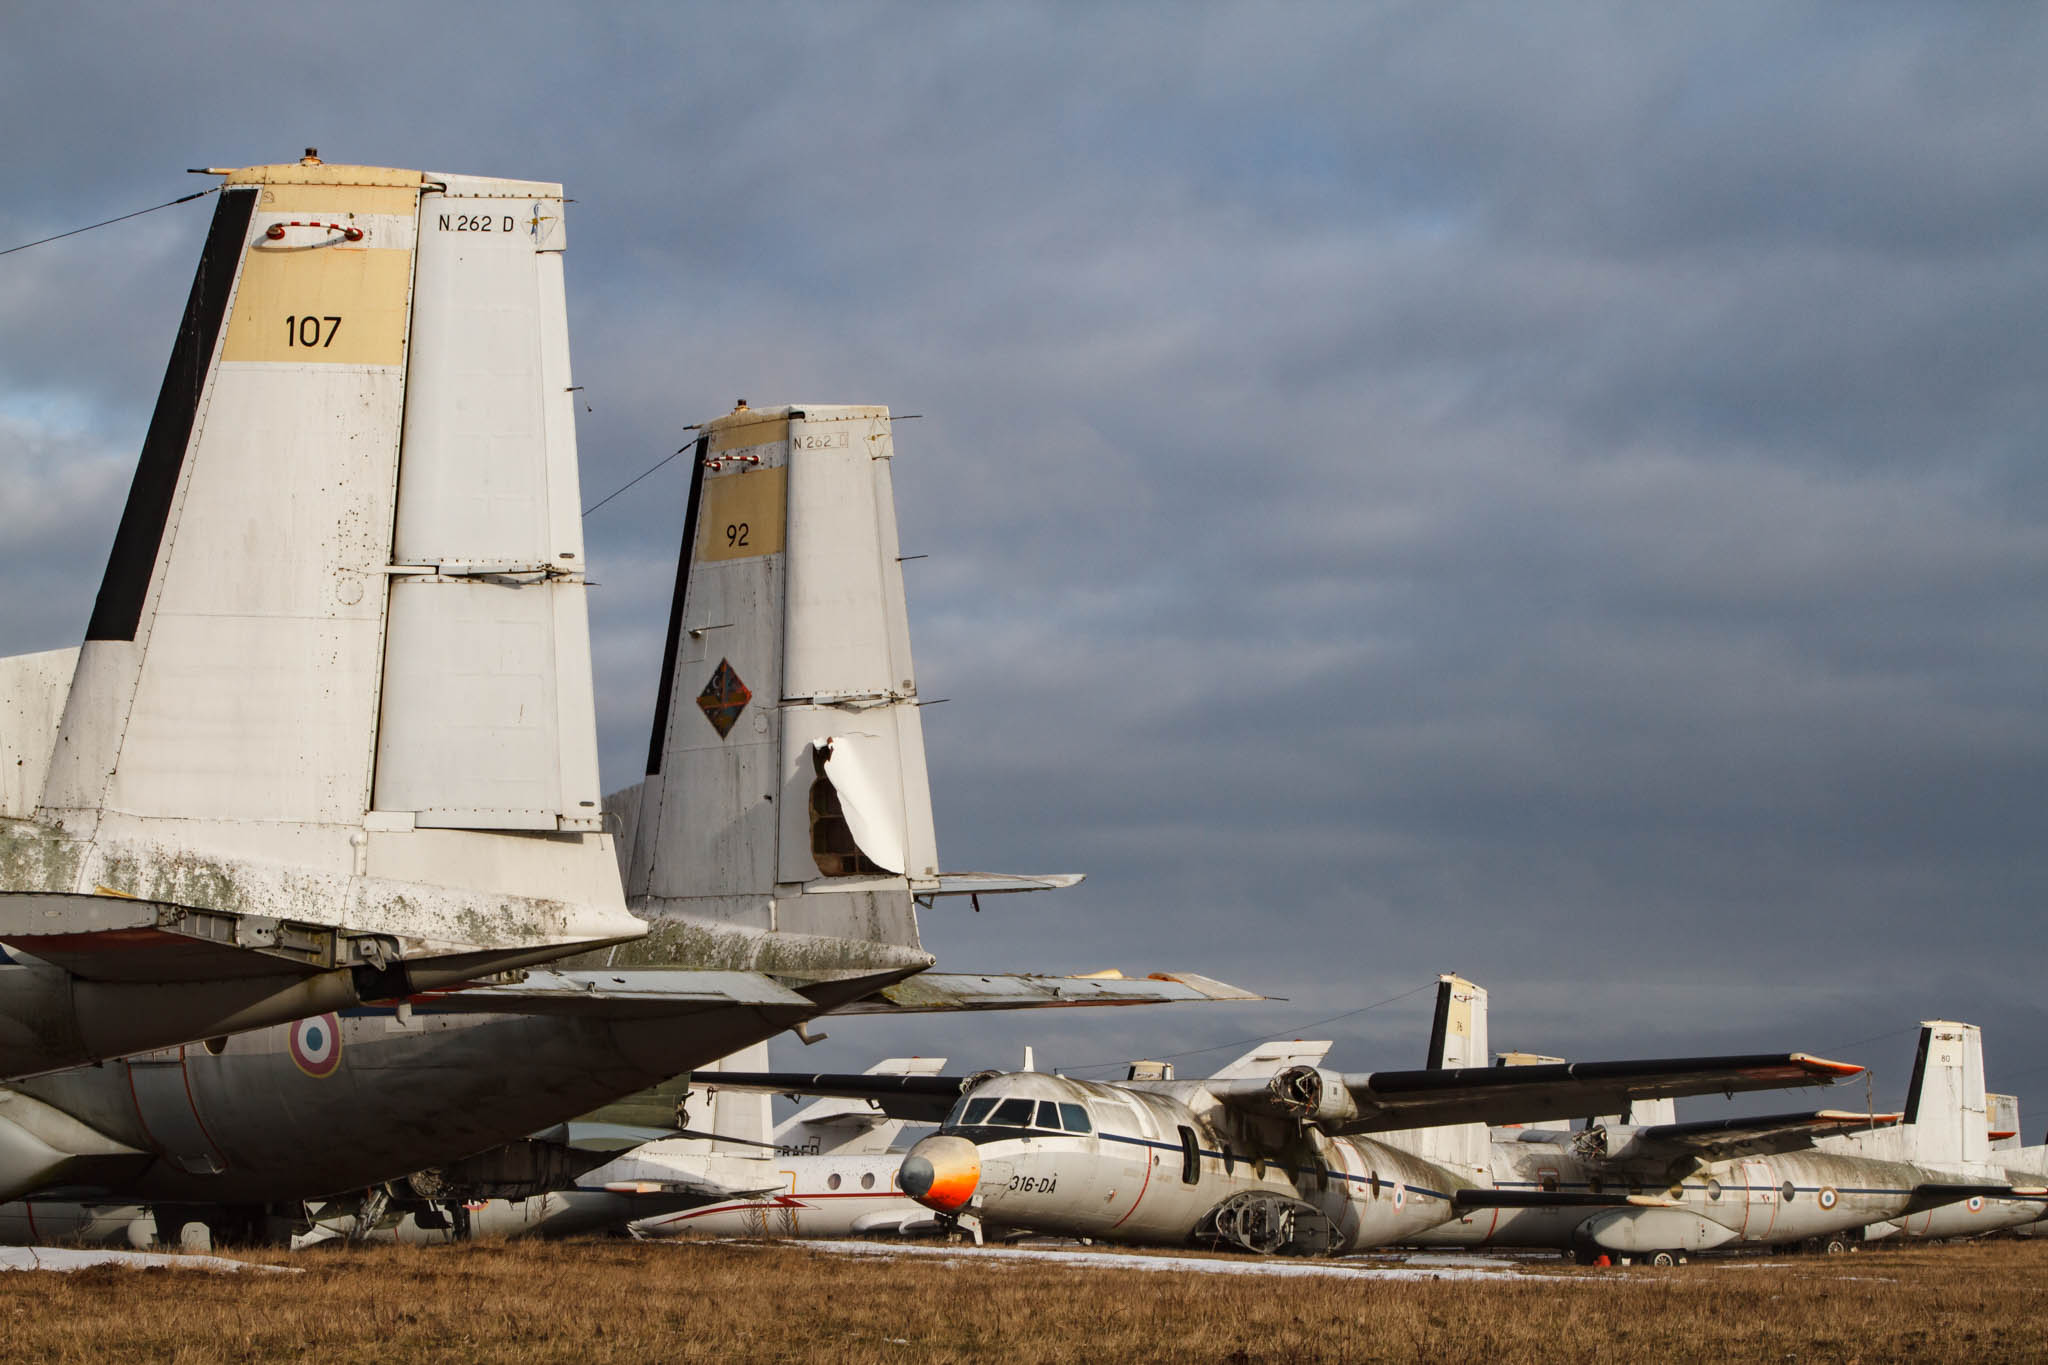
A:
181,199
635,479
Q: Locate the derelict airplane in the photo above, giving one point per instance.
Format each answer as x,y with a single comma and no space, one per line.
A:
1278,1162
1643,1185
779,846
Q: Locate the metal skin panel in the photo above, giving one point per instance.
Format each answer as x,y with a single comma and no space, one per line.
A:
334,305
468,736
488,718
32,692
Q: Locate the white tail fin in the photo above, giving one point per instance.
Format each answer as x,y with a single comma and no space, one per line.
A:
785,822
1946,1117
338,669
1457,1038
840,1127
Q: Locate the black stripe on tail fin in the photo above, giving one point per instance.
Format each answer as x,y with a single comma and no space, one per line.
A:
1919,1077
1439,1030
659,739
117,611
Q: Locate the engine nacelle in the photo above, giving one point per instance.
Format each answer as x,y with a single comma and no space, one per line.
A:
1638,1230
1312,1094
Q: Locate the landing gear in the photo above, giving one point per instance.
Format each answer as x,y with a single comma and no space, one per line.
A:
1662,1259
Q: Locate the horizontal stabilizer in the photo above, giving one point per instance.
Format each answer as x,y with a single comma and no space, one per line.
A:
1555,1199
1765,1135
637,994
1383,1101
931,991
997,883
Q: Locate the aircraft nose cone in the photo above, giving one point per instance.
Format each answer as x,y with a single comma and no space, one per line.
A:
941,1173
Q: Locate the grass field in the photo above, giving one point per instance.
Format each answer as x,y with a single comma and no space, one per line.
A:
624,1301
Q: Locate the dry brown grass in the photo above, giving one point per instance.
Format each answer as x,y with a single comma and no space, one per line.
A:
604,1301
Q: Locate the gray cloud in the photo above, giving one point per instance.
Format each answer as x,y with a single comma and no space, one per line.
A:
1551,493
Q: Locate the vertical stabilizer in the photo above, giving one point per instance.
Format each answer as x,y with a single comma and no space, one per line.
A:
338,671
1457,1036
785,822
1946,1110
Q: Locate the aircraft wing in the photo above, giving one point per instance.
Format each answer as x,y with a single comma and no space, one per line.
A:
637,992
994,883
640,992
933,991
1768,1135
1384,1101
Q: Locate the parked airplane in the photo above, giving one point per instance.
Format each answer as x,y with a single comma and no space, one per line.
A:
330,735
780,849
1266,1163
824,1171
1947,1133
1642,1185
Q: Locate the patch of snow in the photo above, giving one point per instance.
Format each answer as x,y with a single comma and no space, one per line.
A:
69,1258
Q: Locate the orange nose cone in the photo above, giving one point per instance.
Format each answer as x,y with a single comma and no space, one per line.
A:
941,1173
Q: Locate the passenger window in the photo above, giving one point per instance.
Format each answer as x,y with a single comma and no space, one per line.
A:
1190,1157
1048,1115
832,1181
867,1180
1076,1116
977,1112
1012,1114
1788,1190
1548,1183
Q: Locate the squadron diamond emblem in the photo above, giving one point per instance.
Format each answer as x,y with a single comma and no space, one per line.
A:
723,698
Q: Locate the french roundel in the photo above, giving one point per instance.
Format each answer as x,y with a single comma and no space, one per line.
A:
316,1045
1976,1203
1827,1199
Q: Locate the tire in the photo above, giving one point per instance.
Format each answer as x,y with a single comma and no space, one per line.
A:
1663,1259
1836,1246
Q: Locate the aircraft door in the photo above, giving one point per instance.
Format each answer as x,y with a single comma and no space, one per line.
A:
1761,1199
163,1101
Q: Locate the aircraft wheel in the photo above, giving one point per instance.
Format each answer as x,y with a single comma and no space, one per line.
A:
1662,1259
1836,1246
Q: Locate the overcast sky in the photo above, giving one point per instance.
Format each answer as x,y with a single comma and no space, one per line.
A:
1552,492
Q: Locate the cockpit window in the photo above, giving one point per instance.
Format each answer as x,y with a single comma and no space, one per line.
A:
1048,1115
1011,1114
1076,1116
976,1111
